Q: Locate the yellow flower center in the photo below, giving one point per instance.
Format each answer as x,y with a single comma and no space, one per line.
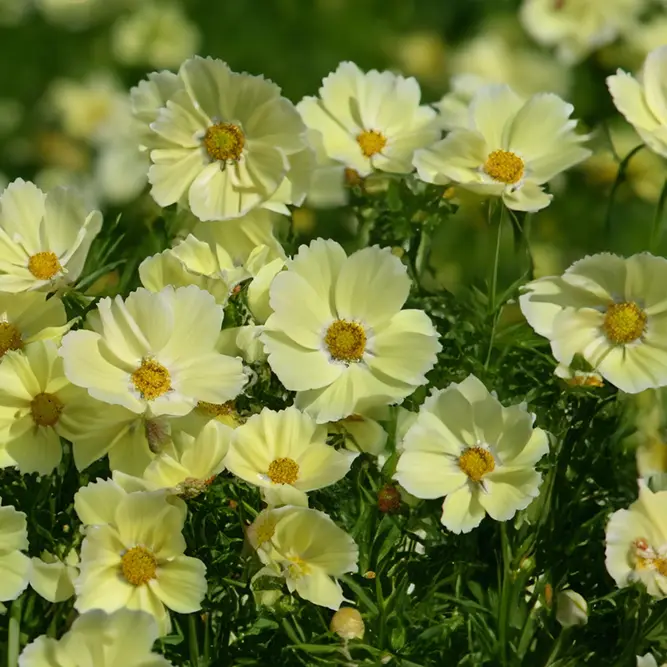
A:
151,379
660,564
44,265
504,166
265,529
476,462
298,567
371,142
283,471
46,409
346,340
225,413
10,338
624,323
224,141
138,565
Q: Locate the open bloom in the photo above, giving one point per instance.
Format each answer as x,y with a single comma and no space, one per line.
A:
132,555
29,316
286,452
370,120
509,149
578,28
154,351
37,406
306,548
122,638
338,335
14,565
481,456
611,311
636,540
52,578
224,141
643,101
44,238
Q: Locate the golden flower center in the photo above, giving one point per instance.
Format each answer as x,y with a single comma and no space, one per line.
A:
504,166
216,409
10,338
346,341
46,409
624,322
264,530
138,565
151,379
224,141
298,567
283,471
371,142
476,462
44,265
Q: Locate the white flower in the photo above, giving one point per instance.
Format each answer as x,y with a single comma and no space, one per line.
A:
54,579
225,141
510,148
643,102
611,311
338,336
571,609
154,351
370,120
14,565
577,28
481,456
646,661
44,238
636,540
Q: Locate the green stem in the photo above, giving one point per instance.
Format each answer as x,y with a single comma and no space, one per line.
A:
505,595
620,178
494,286
192,640
14,634
656,230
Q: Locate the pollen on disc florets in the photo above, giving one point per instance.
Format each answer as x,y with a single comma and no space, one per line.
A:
44,265
371,142
138,565
46,409
346,341
283,471
624,323
504,166
10,338
476,462
151,379
224,141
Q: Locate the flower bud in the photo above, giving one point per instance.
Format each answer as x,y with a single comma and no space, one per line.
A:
389,499
571,609
347,623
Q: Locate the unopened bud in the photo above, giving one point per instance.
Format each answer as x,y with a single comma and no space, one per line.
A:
571,609
347,623
389,499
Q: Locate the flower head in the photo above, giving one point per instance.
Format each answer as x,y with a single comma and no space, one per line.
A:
643,101
370,121
341,346
306,548
154,351
481,456
222,140
509,149
44,238
611,311
14,565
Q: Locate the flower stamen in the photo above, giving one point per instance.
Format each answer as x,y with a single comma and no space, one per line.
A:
138,565
624,323
151,379
283,471
44,265
10,338
476,462
46,409
371,142
346,341
224,141
504,166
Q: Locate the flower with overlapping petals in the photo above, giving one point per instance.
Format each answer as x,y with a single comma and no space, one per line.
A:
338,336
222,141
14,565
478,454
154,351
370,120
610,310
510,148
44,238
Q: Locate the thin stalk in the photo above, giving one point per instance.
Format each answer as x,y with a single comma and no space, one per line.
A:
505,594
620,178
494,286
192,640
656,227
14,634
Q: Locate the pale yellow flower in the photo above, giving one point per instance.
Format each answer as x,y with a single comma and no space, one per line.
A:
53,578
154,351
14,565
370,120
478,454
306,548
361,433
636,540
44,238
344,348
611,311
132,555
122,638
